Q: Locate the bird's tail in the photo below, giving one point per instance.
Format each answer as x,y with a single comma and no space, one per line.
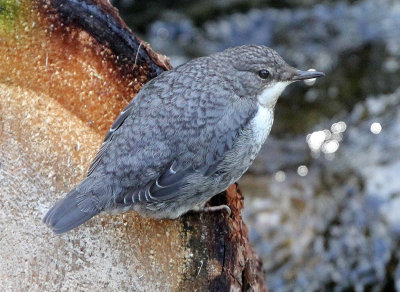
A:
82,203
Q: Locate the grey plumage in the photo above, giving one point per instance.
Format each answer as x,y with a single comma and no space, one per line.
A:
187,135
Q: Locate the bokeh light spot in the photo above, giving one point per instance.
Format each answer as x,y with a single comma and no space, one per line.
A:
376,128
280,176
302,170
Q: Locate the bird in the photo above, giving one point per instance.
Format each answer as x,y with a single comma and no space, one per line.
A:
186,136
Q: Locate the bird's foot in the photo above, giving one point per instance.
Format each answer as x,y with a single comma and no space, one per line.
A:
218,208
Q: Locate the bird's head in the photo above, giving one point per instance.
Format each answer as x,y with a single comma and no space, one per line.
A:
258,72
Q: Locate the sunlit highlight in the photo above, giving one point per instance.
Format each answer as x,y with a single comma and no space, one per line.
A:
376,128
327,141
280,176
302,170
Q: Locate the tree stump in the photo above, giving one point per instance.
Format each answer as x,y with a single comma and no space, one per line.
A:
67,68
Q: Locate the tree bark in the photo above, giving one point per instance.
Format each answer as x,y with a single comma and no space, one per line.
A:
67,68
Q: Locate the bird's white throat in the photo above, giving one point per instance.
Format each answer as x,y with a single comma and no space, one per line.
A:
269,96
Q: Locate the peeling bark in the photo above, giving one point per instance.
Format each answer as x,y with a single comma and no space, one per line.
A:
67,68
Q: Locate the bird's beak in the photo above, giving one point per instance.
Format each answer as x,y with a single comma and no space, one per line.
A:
303,75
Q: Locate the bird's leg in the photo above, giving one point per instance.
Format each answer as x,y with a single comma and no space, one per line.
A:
217,203
204,208
218,208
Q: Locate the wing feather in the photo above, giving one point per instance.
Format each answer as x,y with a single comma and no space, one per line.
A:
176,179
109,136
98,156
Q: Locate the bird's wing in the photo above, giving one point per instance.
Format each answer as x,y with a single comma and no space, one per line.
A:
185,174
109,136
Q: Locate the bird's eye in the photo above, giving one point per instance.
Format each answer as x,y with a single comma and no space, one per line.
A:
263,73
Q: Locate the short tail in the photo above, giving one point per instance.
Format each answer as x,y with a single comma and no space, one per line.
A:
76,208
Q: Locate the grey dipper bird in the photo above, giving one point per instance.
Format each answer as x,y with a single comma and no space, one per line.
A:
187,135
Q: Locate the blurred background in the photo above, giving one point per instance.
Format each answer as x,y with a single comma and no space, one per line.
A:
323,197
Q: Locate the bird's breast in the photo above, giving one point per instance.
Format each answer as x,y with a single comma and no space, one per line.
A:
261,124
247,145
